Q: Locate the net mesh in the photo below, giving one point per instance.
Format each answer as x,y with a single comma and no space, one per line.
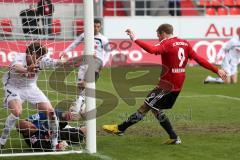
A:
55,24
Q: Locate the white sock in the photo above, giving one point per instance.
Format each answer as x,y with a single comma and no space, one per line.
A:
212,79
79,102
54,127
219,80
9,124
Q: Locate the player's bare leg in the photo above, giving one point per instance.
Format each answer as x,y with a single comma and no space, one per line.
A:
234,78
80,102
15,107
52,121
25,127
134,118
76,107
228,80
165,123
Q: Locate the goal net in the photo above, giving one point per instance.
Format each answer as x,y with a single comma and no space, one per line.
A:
55,24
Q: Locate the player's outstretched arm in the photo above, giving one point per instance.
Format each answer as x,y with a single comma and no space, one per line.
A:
73,45
147,47
220,72
204,63
131,35
72,62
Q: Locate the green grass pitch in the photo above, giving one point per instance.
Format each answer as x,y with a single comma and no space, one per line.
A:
205,116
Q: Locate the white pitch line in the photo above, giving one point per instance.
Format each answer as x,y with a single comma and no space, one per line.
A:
196,96
101,156
210,95
228,97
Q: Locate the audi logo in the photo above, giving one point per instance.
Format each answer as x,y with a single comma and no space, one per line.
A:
211,49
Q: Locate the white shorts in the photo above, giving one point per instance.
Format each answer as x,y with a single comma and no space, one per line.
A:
230,66
82,72
33,95
84,67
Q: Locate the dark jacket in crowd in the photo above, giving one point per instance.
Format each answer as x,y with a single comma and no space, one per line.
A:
30,21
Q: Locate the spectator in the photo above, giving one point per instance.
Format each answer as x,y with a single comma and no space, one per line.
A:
142,8
46,9
174,7
30,20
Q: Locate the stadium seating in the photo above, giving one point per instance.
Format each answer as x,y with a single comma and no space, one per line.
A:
109,6
78,26
238,2
56,26
210,11
190,11
6,25
217,3
222,11
234,11
229,3
204,3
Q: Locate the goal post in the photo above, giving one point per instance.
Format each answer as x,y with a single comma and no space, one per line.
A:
90,85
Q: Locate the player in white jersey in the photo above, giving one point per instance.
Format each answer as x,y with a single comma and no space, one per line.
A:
231,49
20,84
101,57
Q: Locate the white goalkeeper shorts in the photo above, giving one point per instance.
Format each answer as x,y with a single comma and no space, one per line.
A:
230,65
32,94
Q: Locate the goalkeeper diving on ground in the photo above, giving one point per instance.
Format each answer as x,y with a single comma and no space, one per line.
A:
36,133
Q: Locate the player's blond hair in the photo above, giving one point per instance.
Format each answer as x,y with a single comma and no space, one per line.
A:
167,28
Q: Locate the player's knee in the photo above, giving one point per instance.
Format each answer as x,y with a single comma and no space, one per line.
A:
228,80
15,107
45,107
81,85
234,80
17,112
144,109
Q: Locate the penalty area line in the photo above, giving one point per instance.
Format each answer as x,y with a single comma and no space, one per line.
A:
212,95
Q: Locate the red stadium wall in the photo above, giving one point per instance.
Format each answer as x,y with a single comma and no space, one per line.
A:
124,52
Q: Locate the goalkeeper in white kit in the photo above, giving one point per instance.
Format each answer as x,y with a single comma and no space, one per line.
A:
101,57
20,85
231,49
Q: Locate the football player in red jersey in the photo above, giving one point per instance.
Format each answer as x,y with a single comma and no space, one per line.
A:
175,53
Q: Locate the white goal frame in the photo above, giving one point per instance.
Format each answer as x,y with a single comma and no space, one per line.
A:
90,100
